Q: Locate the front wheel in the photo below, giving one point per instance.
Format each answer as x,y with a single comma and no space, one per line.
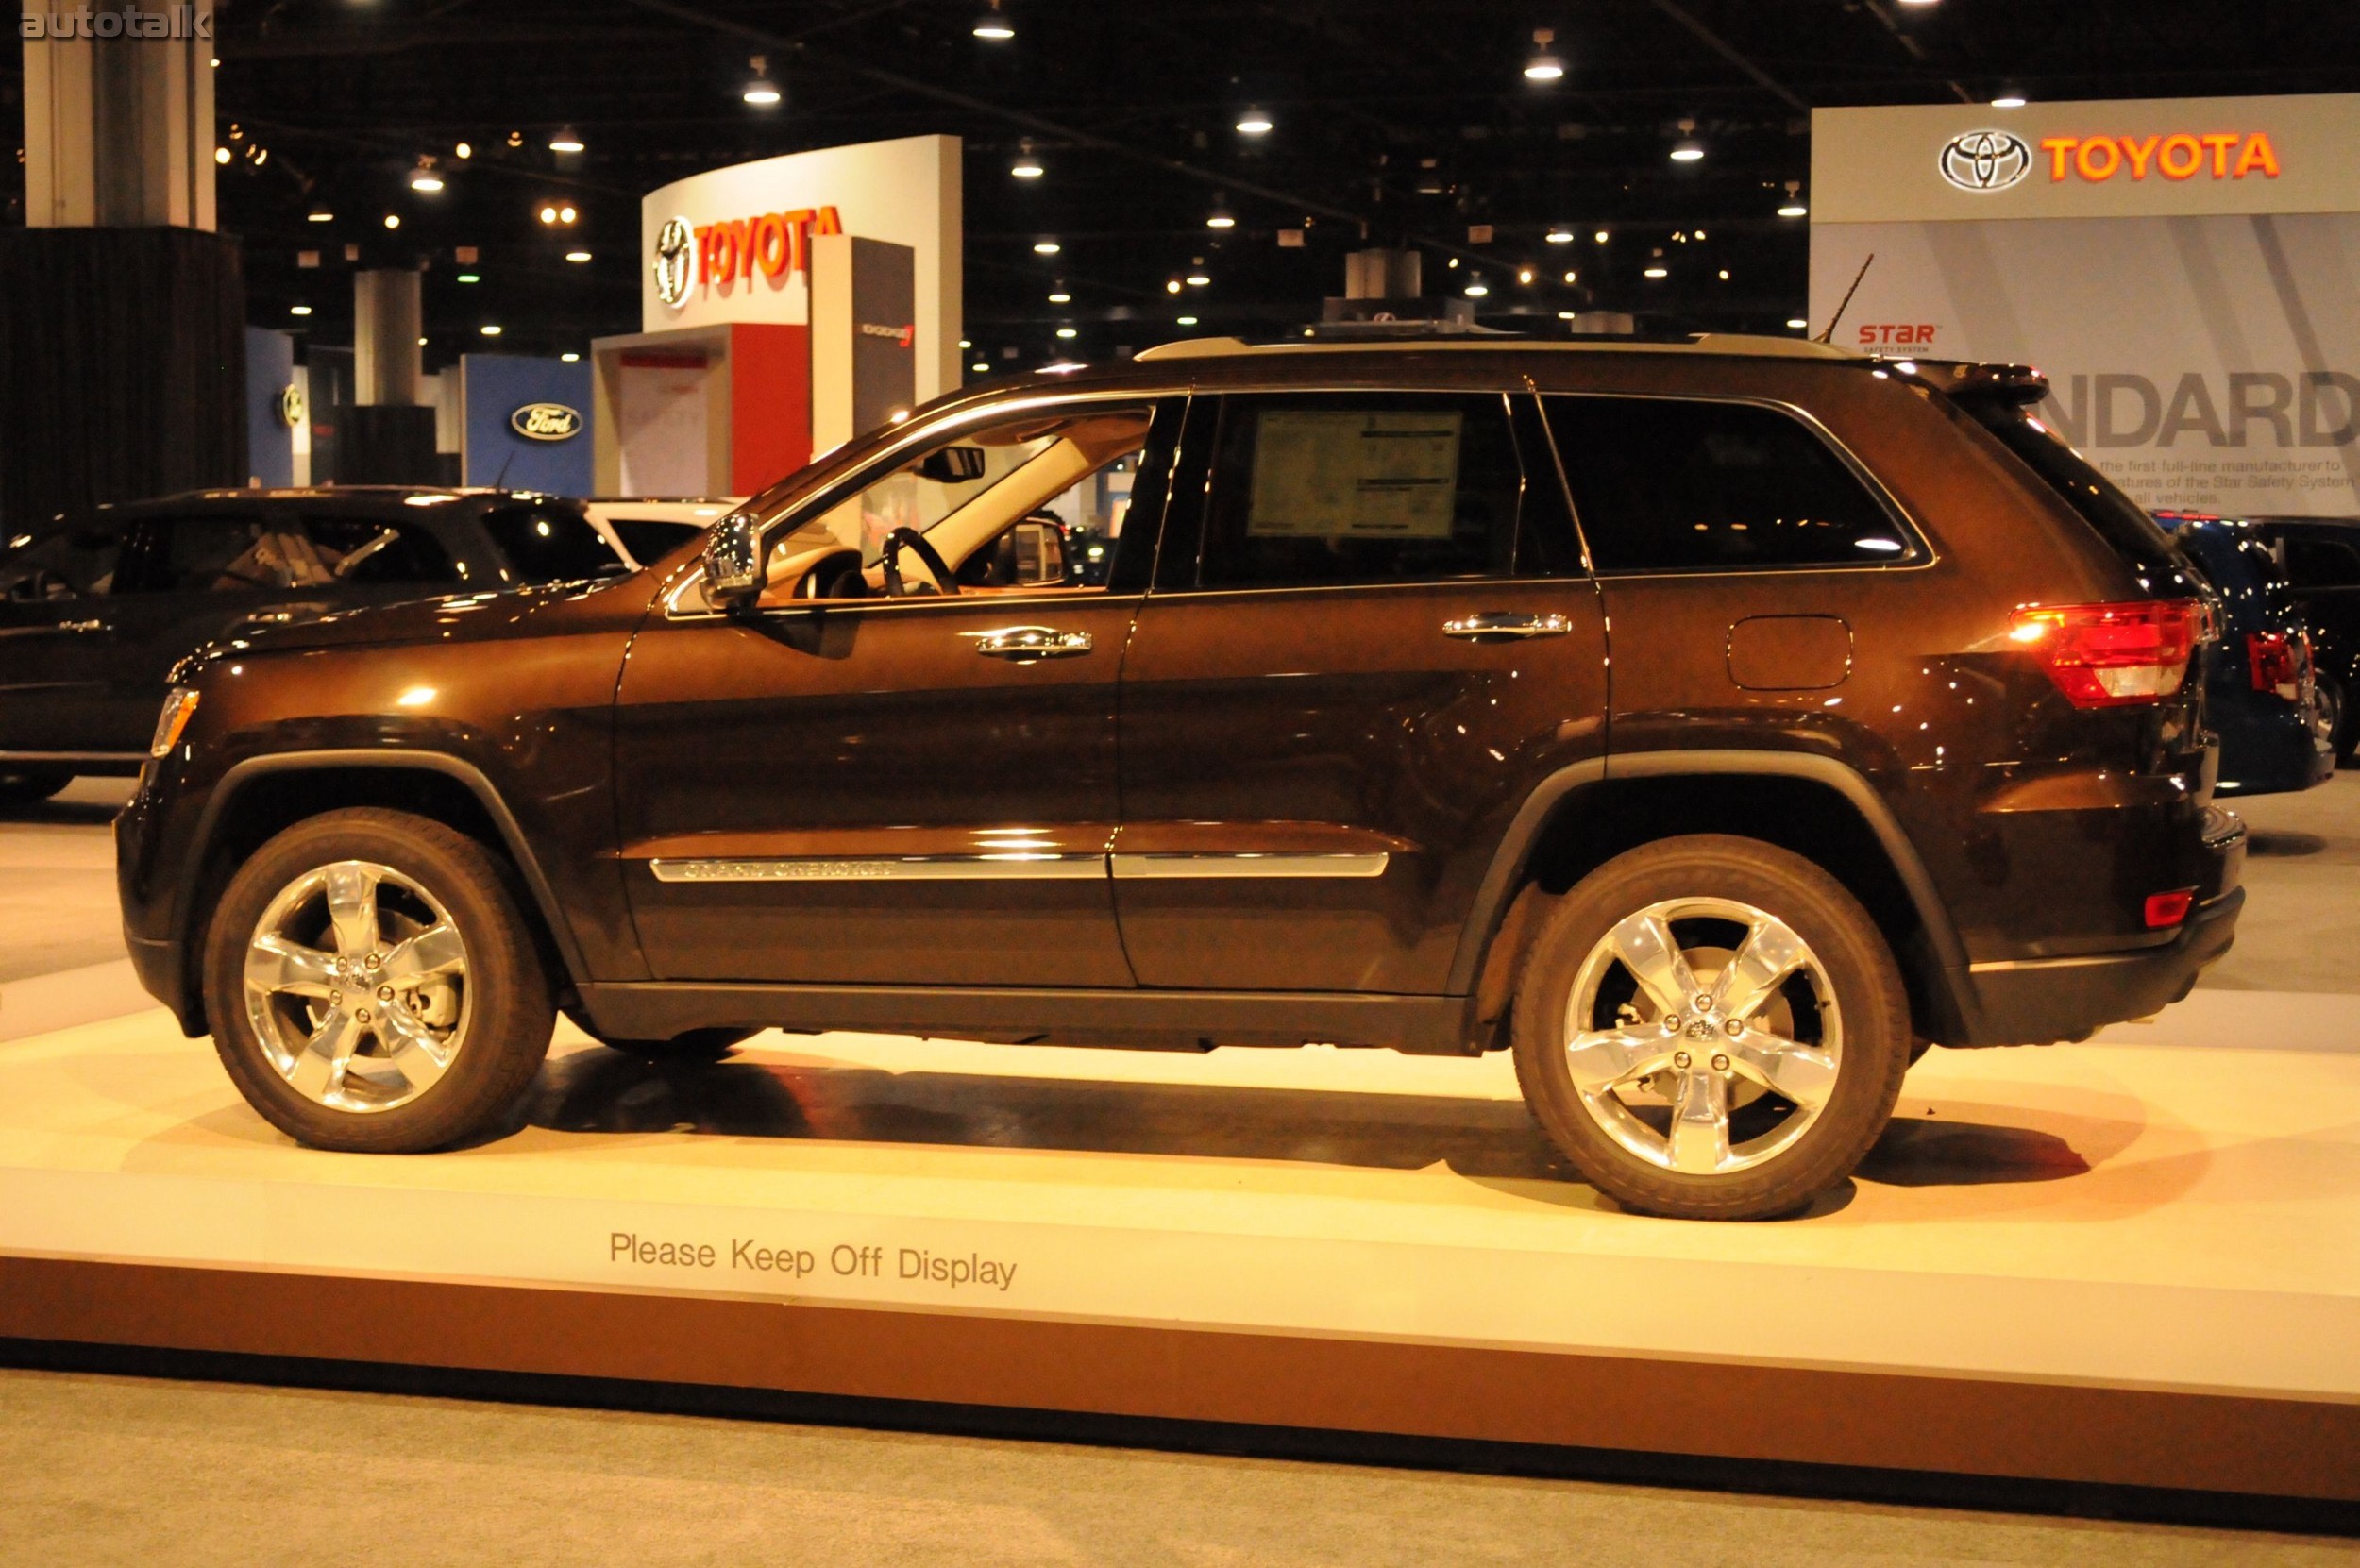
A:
1710,1027
372,985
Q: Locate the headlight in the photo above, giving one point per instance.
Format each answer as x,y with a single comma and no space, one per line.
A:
178,709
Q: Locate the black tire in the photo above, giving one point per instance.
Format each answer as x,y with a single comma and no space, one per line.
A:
26,786
1859,969
512,1010
698,1045
2343,723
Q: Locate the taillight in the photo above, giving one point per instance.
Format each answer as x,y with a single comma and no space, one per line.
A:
2272,661
2168,909
2111,655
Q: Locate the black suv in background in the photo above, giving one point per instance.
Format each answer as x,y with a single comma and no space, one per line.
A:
1713,725
94,614
2321,559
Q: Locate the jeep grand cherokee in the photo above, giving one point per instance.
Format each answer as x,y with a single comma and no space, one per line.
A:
1713,725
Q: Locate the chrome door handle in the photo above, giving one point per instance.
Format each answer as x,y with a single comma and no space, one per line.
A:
1026,645
81,626
1485,625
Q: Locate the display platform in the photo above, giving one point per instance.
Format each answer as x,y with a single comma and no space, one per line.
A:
2130,1263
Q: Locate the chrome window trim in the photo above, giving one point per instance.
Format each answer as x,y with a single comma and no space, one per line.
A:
1019,866
1922,552
1206,865
1014,866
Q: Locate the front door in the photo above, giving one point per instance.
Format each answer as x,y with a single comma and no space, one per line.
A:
894,785
1366,644
53,629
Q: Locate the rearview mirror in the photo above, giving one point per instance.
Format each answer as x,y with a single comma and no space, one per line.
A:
953,464
733,562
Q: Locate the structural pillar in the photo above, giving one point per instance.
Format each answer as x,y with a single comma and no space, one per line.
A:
122,313
386,437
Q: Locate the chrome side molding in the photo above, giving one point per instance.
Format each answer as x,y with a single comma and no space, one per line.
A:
1018,867
1248,865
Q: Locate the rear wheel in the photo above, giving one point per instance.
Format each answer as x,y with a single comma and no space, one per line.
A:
372,985
1710,1027
25,786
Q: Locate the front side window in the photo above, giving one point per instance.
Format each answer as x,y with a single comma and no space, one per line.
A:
220,553
63,566
1343,488
1013,504
1671,485
369,553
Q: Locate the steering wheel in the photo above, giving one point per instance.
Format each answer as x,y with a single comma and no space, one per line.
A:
915,542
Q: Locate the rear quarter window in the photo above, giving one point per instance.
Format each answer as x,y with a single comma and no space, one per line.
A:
550,544
1665,484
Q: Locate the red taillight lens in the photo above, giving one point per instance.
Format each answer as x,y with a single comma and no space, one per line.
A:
2163,909
2271,659
2111,655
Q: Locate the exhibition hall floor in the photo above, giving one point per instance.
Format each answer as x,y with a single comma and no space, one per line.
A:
2165,1211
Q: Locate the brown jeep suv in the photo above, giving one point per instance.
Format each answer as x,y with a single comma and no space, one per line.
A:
1712,724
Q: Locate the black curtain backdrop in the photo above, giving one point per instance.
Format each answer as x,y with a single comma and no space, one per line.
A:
122,367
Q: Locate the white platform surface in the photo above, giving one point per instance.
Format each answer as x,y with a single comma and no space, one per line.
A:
2175,1206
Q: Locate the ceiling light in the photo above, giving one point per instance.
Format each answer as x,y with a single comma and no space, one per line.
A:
761,92
1560,235
1524,276
298,309
1253,123
1171,285
1794,209
1688,152
221,155
393,220
1476,288
1068,333
422,343
549,215
1185,321
463,150
470,277
1543,66
566,140
1219,217
1573,277
1026,167
1657,272
1198,280
1060,296
1724,275
1798,323
489,330
570,357
1917,2
321,214
567,214
577,256
2008,100
426,180
993,26
1046,248
1599,236
966,343
981,367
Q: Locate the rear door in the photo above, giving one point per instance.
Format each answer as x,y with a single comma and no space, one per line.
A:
1369,638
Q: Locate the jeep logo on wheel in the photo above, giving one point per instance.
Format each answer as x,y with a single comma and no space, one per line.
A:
1982,160
675,261
546,422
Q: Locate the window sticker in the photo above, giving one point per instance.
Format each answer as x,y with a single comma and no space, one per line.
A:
1328,475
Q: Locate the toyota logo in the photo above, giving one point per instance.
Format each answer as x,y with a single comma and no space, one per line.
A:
1981,161
675,261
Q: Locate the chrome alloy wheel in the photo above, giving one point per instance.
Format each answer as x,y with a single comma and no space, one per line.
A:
1703,1036
356,983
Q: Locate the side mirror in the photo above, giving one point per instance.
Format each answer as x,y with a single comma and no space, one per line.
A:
733,563
953,464
1040,554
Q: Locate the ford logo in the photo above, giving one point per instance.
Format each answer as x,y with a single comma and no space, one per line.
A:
546,422
1981,161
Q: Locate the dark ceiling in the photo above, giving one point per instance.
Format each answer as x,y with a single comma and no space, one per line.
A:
1395,122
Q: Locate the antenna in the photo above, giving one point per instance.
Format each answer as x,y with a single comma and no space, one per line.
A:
1829,336
512,452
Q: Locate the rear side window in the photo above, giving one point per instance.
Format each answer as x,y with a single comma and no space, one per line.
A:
371,554
63,566
1670,486
2314,563
550,544
1365,488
